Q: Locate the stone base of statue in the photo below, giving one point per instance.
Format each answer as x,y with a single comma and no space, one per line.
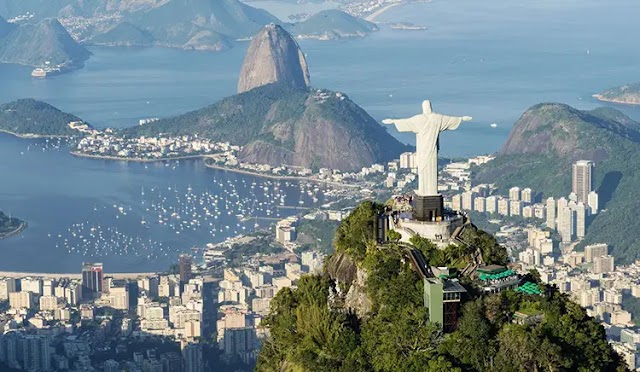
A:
428,208
442,231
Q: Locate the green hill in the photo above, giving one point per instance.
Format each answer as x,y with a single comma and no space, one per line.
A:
28,117
366,313
626,94
332,24
279,124
35,43
549,137
124,34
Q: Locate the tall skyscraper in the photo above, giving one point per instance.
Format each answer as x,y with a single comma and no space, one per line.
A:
582,180
593,251
184,267
527,195
514,193
592,201
192,356
565,223
551,213
581,217
92,277
36,353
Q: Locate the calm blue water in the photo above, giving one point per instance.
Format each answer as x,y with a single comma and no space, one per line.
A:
482,59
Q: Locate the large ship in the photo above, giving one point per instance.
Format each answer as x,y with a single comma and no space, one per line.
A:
39,72
48,70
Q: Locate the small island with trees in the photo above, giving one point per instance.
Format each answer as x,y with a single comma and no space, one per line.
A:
10,226
628,94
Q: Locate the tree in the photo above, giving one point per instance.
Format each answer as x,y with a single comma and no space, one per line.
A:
394,236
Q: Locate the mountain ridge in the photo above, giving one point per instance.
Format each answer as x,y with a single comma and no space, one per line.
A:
544,143
33,44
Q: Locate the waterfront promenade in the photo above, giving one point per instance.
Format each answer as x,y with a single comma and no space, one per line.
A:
16,274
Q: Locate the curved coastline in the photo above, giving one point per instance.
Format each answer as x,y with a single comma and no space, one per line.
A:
23,225
32,135
601,98
276,177
212,166
134,160
19,274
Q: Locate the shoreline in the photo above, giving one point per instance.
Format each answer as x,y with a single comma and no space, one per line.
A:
23,225
135,160
291,178
21,274
33,136
601,98
372,17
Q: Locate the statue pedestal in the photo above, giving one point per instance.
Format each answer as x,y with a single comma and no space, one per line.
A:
428,208
441,232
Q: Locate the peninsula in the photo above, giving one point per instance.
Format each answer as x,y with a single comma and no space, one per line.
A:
626,94
10,226
29,118
278,119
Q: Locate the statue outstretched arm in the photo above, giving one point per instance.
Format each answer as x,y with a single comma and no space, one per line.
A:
412,124
453,122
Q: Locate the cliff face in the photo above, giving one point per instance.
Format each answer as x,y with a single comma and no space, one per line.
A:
273,56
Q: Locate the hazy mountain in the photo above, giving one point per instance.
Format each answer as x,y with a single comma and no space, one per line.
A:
549,137
273,56
79,8
5,27
26,117
175,18
124,34
34,43
332,24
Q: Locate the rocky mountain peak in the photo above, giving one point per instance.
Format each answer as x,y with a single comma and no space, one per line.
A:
273,56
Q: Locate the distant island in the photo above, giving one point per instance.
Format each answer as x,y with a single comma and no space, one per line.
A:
45,45
626,94
332,24
29,118
186,24
10,226
406,26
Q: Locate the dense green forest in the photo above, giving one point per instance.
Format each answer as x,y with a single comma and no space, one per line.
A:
28,116
309,332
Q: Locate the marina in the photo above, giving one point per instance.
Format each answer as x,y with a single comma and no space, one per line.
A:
147,214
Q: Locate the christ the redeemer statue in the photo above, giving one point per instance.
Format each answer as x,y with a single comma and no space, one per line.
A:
427,127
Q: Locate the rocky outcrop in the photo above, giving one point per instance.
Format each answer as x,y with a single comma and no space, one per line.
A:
273,57
341,268
357,300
